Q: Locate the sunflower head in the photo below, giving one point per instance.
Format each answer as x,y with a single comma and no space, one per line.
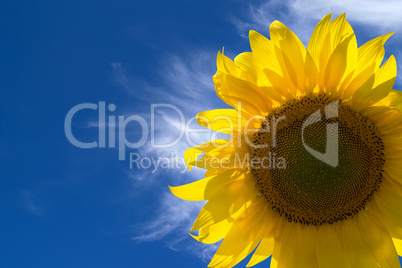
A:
312,172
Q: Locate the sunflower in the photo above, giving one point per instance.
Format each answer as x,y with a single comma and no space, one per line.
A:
311,173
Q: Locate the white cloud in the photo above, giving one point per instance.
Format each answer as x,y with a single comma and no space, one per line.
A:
174,220
301,17
379,14
120,77
31,203
184,81
174,213
134,86
187,81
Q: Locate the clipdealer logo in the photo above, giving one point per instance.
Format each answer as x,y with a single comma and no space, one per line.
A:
112,128
108,125
111,125
331,155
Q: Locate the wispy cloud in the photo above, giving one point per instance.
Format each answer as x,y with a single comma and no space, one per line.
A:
174,213
301,16
136,87
183,81
31,203
120,77
188,79
182,88
259,17
184,78
384,15
174,219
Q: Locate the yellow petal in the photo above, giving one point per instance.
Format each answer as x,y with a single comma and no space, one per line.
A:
192,192
311,74
236,195
215,232
317,42
192,154
389,124
372,52
386,74
215,235
305,254
382,116
279,84
239,243
326,39
226,121
337,30
235,91
392,184
357,82
393,100
392,141
204,189
336,67
264,250
354,248
227,66
341,31
287,245
387,202
237,160
274,263
249,62
398,245
379,87
378,240
329,250
264,51
265,56
284,38
375,212
290,53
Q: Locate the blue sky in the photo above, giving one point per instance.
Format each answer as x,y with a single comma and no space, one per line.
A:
64,206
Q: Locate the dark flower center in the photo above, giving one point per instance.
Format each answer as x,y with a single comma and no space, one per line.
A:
332,160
